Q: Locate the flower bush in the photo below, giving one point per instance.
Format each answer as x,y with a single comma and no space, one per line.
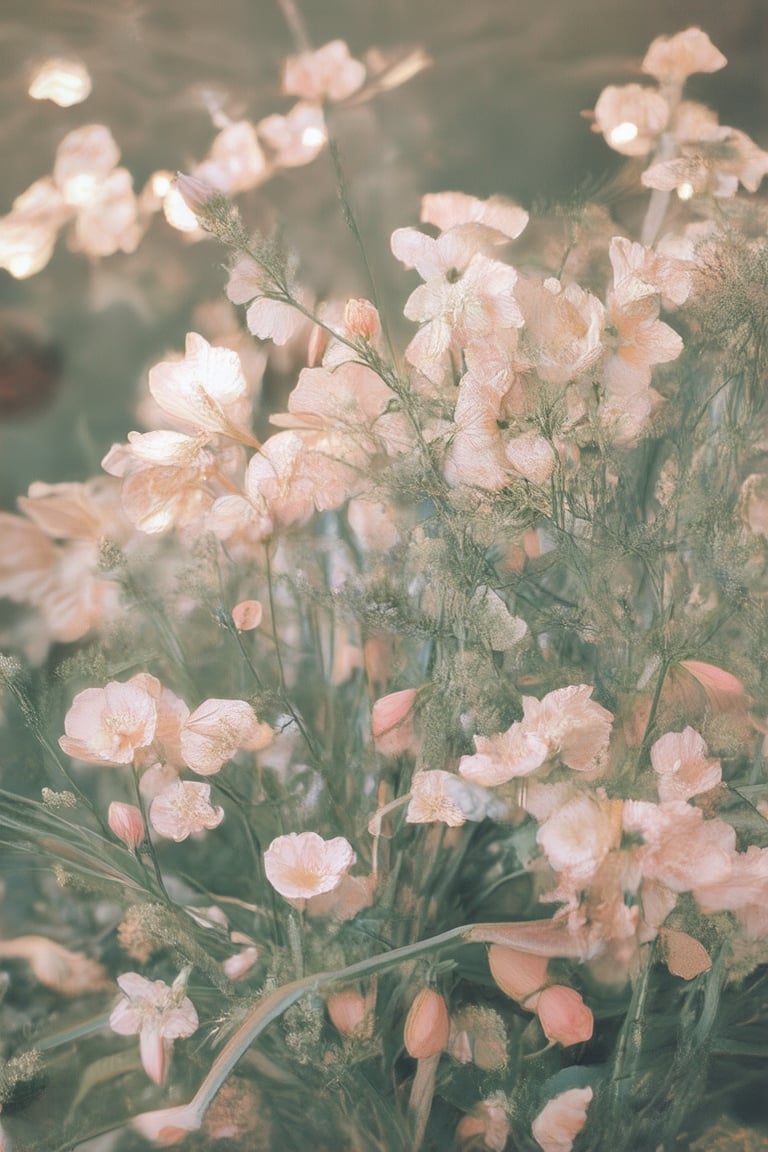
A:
469,651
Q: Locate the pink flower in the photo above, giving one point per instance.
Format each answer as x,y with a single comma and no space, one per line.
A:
392,722
84,159
680,761
303,864
631,118
247,615
440,795
563,333
580,834
182,809
448,209
266,318
518,974
681,849
563,1015
127,823
297,138
561,1119
215,731
158,1013
206,391
498,759
672,59
329,73
489,1120
235,163
109,725
295,473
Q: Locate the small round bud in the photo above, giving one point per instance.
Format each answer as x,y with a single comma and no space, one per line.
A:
427,1026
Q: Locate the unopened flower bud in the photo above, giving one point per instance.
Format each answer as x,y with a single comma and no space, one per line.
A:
563,1015
349,1013
392,722
362,320
427,1026
247,615
518,974
195,193
127,823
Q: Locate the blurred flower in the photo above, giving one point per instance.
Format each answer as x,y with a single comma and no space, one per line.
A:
518,974
392,720
158,1013
247,615
672,59
631,118
68,973
65,82
266,318
297,138
561,1119
329,73
303,864
183,808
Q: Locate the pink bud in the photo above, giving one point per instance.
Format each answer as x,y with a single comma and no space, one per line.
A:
349,1013
247,615
518,974
127,823
195,193
392,722
427,1026
237,966
361,319
563,1015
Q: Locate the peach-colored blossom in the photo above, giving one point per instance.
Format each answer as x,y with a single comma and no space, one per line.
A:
448,209
182,809
753,503
216,730
158,1013
392,722
362,321
204,392
328,73
109,725
518,974
563,334
561,1119
487,1119
28,233
127,823
476,450
296,138
247,615
578,837
681,849
575,727
235,162
631,118
683,770
713,165
672,59
303,864
563,1015
684,955
373,525
743,890
352,895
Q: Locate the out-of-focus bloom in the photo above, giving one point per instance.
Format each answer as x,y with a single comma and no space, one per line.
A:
66,972
247,615
84,158
631,118
392,722
427,1025
109,725
683,770
239,965
296,473
672,59
487,1119
235,162
303,864
297,138
182,809
329,73
158,1013
127,823
563,331
64,82
561,1119
563,1015
578,837
28,233
753,503
448,209
214,732
531,456
518,974
108,221
743,890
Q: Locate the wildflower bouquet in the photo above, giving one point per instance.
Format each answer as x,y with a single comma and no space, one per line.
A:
398,780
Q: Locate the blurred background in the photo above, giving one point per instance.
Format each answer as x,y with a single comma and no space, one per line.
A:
497,111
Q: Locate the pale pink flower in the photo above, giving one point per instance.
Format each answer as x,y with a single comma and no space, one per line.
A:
295,474
683,770
576,728
239,965
563,1015
362,321
28,233
84,158
165,479
205,392
465,298
303,864
487,1119
127,823
531,456
328,73
216,730
297,138
563,334
266,318
350,1012
182,809
476,450
753,504
743,890
448,209
158,1013
498,759
680,848
672,59
352,894
109,725
440,795
714,159
109,221
373,525
62,80
639,272
235,162
631,118
561,1119
578,837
